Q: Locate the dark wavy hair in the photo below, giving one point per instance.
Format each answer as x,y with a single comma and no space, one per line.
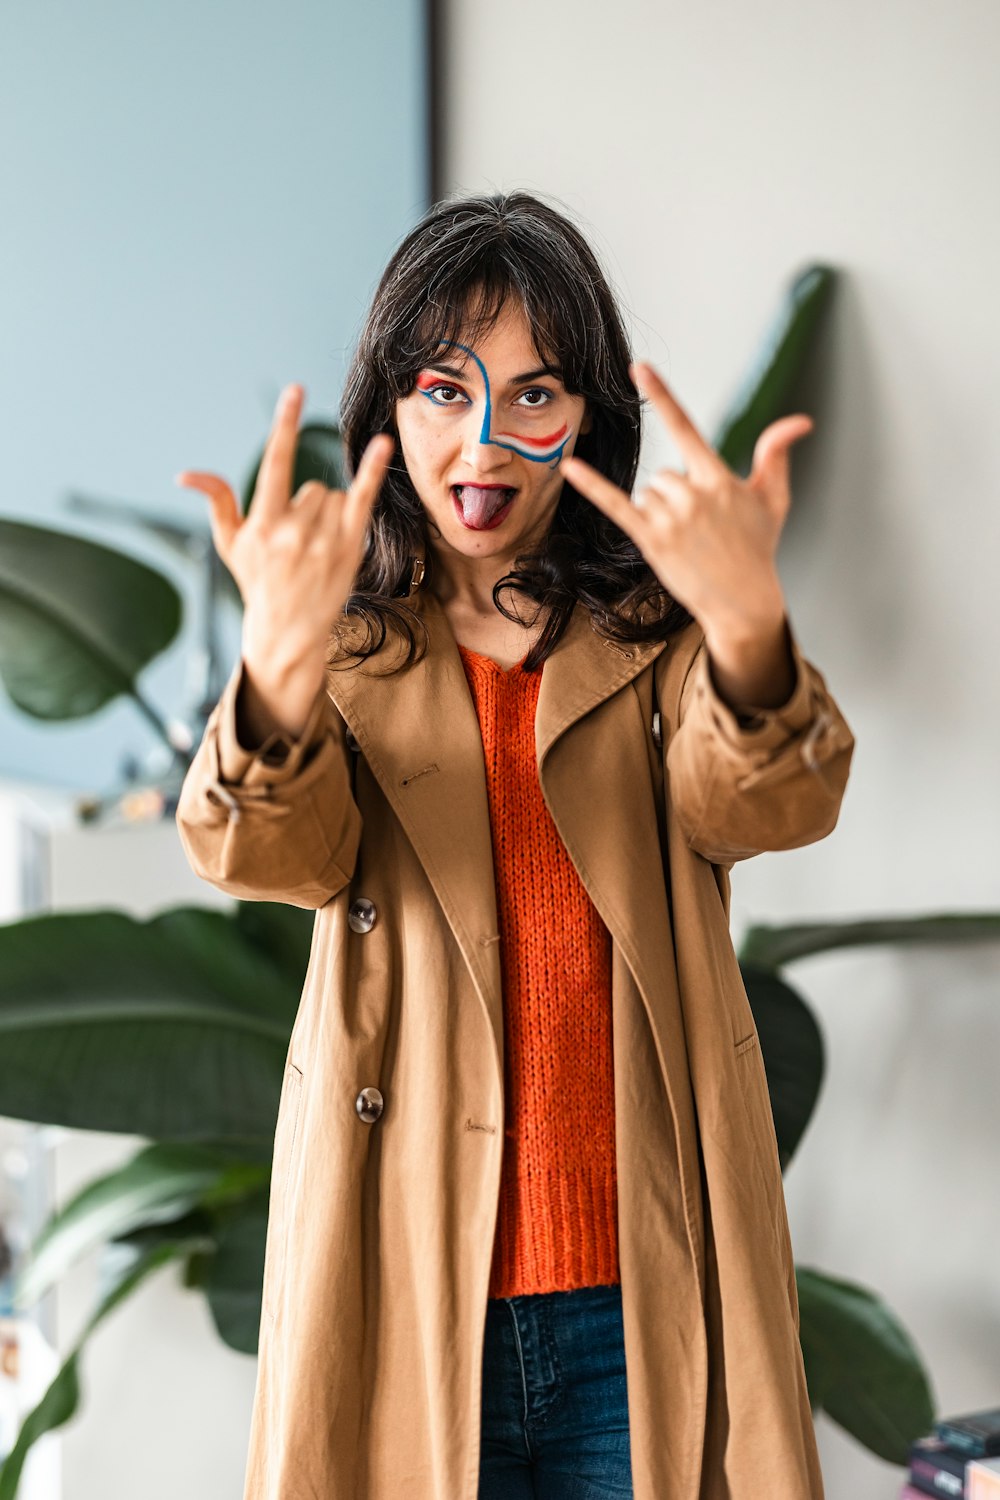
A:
449,279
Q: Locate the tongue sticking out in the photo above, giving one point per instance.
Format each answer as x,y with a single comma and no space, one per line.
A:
480,506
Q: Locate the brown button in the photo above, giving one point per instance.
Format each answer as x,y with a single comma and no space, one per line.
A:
361,914
369,1105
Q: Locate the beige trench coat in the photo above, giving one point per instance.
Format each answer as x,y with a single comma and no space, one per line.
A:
382,1222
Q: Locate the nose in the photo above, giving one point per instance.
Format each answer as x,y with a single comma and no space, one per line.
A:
480,453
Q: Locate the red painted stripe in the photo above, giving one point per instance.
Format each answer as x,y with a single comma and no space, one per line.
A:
537,442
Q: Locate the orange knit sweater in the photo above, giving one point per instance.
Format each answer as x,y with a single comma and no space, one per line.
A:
557,1224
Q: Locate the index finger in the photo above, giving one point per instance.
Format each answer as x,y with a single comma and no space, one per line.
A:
702,459
607,496
273,490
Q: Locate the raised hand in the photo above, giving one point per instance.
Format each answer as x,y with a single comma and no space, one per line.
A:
294,558
710,537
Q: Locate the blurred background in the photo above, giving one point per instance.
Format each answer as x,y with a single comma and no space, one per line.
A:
200,201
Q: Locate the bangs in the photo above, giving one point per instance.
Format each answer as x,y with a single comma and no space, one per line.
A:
461,309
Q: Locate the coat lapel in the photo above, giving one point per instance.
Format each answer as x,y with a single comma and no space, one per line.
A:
419,733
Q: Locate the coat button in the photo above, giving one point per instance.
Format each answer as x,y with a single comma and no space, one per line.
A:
361,914
369,1105
352,743
657,731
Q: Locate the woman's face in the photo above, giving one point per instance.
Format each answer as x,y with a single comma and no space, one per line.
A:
481,433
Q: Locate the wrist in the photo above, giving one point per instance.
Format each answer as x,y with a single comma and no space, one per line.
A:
741,633
278,659
279,691
754,671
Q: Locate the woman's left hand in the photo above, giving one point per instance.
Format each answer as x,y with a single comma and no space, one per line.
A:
710,537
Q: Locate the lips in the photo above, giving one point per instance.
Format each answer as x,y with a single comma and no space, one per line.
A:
482,506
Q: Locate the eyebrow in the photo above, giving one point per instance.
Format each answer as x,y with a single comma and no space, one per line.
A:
460,372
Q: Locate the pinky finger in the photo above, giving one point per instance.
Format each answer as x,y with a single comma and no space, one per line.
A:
367,482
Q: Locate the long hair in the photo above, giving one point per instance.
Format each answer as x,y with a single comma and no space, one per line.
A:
449,279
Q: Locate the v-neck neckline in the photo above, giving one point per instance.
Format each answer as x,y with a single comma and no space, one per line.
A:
480,656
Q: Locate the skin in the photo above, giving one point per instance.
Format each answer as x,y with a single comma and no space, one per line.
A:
712,538
482,429
294,559
709,536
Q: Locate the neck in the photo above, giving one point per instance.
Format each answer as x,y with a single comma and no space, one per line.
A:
465,584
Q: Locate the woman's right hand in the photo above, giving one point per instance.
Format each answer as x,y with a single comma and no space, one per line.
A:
294,559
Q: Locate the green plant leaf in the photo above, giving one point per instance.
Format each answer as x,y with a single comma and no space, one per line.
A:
769,947
229,1266
175,1028
159,1184
791,1045
122,1272
862,1367
318,455
767,390
78,621
234,1276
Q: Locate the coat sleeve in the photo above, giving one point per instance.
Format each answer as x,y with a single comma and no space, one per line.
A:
767,778
278,823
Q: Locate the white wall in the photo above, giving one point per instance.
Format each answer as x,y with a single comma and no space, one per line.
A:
710,150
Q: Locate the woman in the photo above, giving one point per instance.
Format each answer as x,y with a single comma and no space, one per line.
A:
507,729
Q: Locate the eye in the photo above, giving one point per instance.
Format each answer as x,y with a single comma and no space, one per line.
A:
431,393
538,390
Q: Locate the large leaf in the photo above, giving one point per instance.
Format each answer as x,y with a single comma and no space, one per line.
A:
791,1045
175,1028
769,947
229,1266
767,391
234,1275
862,1367
78,621
122,1271
158,1185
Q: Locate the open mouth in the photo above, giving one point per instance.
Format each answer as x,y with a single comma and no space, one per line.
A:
482,507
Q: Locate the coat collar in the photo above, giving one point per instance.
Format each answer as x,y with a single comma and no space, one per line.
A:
419,733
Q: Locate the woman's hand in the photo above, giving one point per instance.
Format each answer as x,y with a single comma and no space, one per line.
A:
711,538
294,558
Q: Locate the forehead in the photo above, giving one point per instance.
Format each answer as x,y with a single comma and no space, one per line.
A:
508,345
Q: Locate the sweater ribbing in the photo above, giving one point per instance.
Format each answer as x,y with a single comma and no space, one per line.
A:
557,1219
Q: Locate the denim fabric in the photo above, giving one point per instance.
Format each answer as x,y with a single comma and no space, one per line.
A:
554,1411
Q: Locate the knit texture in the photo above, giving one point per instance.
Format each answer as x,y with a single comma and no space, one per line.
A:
557,1225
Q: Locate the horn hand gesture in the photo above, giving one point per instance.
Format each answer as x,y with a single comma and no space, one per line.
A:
711,538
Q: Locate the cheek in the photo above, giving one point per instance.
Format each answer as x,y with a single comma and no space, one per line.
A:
420,435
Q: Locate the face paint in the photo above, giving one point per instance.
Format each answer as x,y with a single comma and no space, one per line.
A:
540,450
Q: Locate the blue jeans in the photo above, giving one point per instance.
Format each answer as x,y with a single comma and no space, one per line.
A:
554,1412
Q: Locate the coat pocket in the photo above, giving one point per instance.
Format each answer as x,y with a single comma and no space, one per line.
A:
285,1138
